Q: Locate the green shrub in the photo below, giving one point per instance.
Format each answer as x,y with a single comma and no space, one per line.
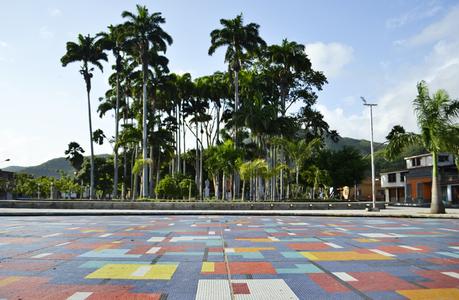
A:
168,188
184,186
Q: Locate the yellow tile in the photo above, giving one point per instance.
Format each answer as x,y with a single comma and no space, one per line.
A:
208,267
344,255
125,271
8,280
92,230
367,240
428,294
253,249
103,247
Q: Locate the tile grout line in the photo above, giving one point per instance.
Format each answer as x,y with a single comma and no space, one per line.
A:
225,257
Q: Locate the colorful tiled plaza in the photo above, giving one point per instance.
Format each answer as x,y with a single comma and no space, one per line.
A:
228,257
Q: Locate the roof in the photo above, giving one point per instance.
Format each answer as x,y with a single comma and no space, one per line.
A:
426,154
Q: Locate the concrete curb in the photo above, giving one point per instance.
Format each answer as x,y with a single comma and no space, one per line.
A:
73,212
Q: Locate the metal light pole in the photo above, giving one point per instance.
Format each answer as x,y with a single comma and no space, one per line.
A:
365,103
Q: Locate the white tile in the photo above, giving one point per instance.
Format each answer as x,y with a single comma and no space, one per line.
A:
52,235
344,276
41,255
156,239
141,271
410,248
381,252
153,250
451,274
80,296
333,245
62,244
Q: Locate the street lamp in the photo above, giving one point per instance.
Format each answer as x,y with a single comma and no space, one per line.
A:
365,103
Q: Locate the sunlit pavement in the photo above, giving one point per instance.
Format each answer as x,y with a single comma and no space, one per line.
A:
228,257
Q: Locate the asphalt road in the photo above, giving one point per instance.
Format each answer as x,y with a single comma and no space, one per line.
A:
228,257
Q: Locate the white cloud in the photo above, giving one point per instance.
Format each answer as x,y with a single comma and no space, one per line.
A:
3,44
446,28
330,58
55,12
440,69
45,33
423,11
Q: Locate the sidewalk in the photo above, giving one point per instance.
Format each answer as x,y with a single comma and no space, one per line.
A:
396,212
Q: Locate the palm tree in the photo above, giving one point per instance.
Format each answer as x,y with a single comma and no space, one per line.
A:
241,40
316,177
435,117
144,32
114,40
88,51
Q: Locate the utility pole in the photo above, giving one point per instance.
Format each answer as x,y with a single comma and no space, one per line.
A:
373,194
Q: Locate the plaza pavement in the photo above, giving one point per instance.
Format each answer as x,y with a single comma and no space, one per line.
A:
228,257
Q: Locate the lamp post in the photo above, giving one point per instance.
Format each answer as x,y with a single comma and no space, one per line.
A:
373,195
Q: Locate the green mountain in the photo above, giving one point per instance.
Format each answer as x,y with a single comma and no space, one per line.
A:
50,168
54,166
362,145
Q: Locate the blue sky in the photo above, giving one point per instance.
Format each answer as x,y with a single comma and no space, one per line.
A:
377,49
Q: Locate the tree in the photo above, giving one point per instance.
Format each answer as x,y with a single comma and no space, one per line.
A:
87,50
75,155
144,32
241,41
299,151
316,177
104,179
346,167
435,116
292,73
114,40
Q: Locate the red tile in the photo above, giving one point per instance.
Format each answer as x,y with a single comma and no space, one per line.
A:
328,283
438,280
251,268
398,249
240,289
379,281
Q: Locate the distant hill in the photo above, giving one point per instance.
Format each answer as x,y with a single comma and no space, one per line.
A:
362,145
49,168
14,169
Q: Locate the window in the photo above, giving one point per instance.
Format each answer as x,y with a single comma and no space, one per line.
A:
402,176
415,162
392,177
443,158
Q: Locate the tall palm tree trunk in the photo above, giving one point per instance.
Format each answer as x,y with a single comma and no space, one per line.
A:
92,191
200,167
236,108
144,129
115,159
178,137
151,182
123,195
437,206
184,145
223,186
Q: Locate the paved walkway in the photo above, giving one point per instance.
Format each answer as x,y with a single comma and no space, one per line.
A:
411,212
228,257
